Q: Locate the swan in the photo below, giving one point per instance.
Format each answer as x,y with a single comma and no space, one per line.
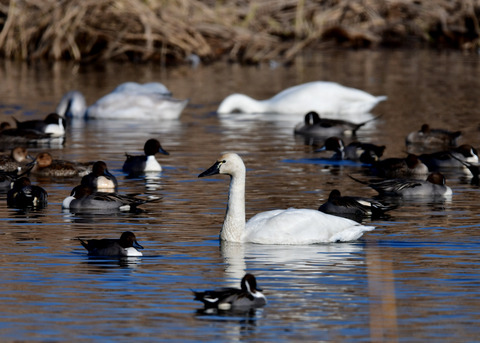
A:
323,97
130,100
291,226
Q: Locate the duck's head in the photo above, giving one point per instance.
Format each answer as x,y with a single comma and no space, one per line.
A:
81,191
20,154
436,178
312,118
43,160
249,284
152,146
128,240
229,163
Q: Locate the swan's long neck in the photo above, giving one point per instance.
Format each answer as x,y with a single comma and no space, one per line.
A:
234,223
242,103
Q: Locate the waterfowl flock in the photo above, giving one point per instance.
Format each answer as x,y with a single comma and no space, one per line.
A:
339,219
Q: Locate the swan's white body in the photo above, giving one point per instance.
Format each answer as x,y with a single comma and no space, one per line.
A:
130,100
291,226
323,97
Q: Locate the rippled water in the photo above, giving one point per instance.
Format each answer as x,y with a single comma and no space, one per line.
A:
415,277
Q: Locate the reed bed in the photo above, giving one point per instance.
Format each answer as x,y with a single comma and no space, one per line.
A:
246,31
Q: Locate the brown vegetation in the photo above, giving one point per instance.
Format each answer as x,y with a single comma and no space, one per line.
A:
247,31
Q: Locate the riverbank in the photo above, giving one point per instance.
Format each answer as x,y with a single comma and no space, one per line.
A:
245,31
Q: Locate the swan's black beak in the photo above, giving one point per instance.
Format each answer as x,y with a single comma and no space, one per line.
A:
215,169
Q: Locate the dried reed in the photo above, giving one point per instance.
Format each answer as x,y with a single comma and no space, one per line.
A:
247,31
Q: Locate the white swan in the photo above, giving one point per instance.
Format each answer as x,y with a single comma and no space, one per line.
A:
323,97
130,100
291,226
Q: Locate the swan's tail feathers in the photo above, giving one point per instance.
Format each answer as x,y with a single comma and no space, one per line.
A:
351,234
381,98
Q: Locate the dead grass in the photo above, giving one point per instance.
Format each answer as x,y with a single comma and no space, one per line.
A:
247,31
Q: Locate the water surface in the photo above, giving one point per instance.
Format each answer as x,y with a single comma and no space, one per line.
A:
414,278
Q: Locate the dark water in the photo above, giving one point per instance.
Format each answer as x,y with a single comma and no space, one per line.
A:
415,278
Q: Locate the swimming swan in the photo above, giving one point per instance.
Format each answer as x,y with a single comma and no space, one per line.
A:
291,226
130,100
322,97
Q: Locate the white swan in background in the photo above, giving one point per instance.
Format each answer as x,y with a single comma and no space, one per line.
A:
130,100
328,98
291,226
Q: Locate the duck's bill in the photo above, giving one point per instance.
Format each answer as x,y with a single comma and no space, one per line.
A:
136,245
163,151
211,171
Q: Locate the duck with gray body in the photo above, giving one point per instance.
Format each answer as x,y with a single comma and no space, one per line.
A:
248,296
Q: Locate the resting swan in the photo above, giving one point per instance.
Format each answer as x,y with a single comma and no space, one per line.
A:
291,226
130,100
323,97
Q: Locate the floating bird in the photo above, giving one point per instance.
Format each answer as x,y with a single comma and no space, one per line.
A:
291,226
313,125
23,194
100,179
248,296
355,208
13,136
126,246
434,186
150,101
53,124
83,198
355,151
452,158
17,159
45,165
140,164
408,167
430,138
322,97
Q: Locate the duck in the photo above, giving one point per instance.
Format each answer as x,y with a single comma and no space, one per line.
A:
151,101
451,158
100,179
474,169
367,153
313,125
15,160
433,138
45,165
24,195
248,296
125,246
290,226
399,167
320,96
83,198
53,124
14,136
356,208
140,164
434,186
